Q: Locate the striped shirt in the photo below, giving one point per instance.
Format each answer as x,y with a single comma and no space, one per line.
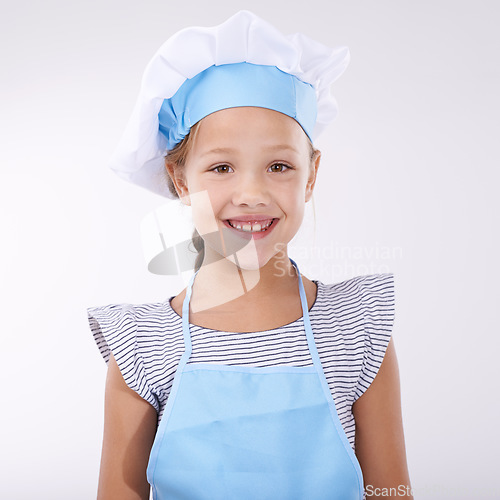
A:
351,322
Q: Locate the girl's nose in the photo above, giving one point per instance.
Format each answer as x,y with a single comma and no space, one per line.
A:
251,191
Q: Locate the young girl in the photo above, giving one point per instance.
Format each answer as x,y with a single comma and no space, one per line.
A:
254,382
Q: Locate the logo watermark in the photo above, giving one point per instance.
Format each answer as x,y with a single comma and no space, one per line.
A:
400,491
335,251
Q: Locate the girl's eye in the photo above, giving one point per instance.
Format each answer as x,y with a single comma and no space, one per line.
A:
222,169
278,168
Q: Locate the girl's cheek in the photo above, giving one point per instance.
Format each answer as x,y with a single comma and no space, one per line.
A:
203,212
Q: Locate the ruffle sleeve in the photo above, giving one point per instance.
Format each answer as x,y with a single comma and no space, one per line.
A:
115,331
376,294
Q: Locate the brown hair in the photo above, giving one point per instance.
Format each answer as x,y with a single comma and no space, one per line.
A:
176,157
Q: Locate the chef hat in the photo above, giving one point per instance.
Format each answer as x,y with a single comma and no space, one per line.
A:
244,61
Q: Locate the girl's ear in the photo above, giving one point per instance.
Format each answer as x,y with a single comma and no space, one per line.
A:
179,182
313,173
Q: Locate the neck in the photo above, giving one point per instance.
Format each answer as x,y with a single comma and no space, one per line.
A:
222,282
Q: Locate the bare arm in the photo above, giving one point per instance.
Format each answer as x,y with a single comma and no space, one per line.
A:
129,431
380,445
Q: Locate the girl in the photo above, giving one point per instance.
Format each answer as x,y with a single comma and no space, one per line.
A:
254,382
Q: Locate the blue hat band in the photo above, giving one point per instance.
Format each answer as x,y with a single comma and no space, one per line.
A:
233,86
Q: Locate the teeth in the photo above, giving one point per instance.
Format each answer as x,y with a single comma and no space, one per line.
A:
251,227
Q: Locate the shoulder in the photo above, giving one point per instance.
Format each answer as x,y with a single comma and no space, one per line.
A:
381,285
368,295
114,317
119,322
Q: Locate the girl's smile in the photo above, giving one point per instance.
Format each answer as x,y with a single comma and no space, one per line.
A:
252,226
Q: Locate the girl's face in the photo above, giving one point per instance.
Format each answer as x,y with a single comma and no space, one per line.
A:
248,176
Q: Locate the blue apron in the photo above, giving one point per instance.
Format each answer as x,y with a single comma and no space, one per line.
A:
247,433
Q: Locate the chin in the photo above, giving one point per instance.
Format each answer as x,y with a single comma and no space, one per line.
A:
248,259
246,254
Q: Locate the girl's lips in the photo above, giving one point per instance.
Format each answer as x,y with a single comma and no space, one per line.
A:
251,227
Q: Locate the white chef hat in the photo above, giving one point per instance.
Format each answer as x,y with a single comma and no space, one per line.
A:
244,61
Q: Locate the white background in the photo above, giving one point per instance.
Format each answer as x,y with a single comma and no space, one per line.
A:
409,185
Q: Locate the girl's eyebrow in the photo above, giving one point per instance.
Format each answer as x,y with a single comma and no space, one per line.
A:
275,147
279,147
218,150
